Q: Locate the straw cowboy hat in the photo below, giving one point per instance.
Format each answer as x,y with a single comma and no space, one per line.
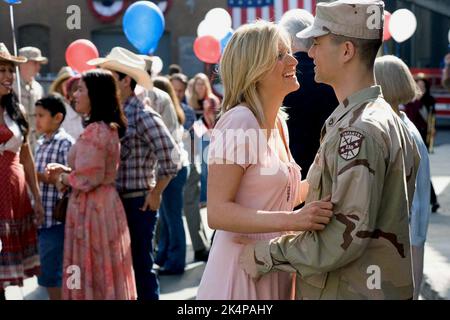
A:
64,74
6,56
126,62
33,54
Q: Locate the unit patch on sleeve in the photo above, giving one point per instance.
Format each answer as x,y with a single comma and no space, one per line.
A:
350,144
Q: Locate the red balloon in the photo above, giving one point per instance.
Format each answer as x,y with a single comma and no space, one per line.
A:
207,49
386,33
78,53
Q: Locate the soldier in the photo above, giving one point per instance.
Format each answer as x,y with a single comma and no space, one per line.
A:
367,161
31,90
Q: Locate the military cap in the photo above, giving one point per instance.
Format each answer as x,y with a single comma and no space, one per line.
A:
361,19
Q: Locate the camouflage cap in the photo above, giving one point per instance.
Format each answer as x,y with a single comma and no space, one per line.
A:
361,19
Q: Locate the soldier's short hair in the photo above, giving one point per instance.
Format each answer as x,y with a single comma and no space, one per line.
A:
396,81
367,48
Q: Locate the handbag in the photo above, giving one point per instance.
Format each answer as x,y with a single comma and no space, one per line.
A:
60,209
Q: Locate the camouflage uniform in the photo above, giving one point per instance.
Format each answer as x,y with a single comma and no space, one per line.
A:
368,162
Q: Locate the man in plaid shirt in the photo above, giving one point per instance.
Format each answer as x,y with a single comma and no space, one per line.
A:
149,160
52,147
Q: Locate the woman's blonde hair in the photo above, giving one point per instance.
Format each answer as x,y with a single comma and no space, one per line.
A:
194,98
396,81
251,53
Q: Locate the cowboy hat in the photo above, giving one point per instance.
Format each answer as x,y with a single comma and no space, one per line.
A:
6,56
126,62
33,54
64,74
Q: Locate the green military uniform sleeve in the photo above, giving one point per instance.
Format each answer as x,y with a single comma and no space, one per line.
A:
356,163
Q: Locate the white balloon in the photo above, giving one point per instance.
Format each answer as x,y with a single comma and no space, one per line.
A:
157,65
402,25
219,16
211,28
202,29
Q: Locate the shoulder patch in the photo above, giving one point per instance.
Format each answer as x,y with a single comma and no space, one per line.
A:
350,144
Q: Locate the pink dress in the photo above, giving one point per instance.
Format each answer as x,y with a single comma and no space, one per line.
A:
267,184
97,252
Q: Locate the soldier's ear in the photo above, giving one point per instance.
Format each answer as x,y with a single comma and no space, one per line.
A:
349,50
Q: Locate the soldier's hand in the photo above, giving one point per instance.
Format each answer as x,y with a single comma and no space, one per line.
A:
247,261
314,216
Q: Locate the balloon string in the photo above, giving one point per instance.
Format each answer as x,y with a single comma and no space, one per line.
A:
11,18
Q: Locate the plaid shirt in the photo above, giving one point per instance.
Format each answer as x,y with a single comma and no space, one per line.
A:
147,144
51,150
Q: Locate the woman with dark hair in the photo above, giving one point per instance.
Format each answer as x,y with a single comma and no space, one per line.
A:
97,239
18,219
422,113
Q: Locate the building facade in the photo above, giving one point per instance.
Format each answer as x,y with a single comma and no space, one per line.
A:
43,23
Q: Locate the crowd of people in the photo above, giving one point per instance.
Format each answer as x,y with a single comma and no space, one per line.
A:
98,173
94,169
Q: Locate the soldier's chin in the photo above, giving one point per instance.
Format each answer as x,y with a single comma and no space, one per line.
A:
318,79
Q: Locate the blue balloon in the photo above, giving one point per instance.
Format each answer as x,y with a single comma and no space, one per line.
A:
143,25
153,47
225,40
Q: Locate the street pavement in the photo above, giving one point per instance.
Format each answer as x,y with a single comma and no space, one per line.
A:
436,283
437,246
182,287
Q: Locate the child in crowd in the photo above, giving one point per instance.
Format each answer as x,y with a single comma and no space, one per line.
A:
53,147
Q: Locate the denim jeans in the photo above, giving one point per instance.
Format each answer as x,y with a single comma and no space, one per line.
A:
172,239
142,227
51,253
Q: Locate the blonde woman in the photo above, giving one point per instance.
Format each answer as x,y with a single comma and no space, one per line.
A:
206,106
254,183
399,87
203,101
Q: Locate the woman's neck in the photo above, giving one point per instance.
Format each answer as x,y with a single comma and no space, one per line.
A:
271,105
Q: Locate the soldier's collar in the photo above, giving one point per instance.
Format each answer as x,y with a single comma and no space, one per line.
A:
361,96
354,100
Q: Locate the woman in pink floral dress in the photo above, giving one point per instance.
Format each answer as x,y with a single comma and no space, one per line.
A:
97,253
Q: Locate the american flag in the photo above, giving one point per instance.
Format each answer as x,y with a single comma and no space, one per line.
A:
245,11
